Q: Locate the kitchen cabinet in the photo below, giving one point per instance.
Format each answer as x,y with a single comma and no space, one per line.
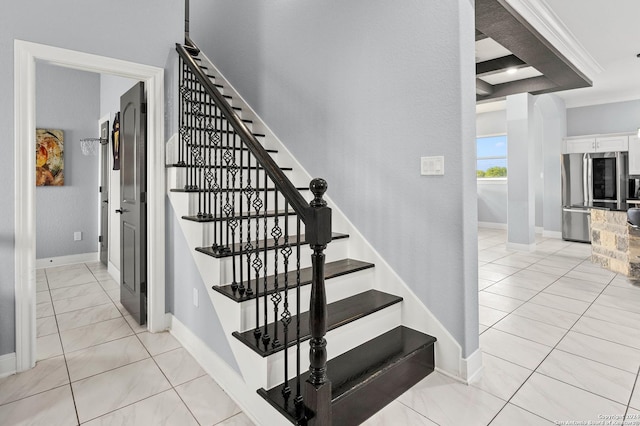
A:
604,143
634,155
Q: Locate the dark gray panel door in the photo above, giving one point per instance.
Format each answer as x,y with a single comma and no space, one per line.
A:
133,205
103,240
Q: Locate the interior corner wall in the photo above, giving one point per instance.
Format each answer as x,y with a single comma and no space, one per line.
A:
68,100
614,117
145,34
358,91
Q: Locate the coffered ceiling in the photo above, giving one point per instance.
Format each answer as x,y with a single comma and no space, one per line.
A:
512,57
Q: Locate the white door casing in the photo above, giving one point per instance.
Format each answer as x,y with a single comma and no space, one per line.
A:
25,56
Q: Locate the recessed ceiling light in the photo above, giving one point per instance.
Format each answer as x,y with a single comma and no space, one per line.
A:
512,70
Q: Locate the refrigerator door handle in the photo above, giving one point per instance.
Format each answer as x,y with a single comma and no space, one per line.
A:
570,210
588,179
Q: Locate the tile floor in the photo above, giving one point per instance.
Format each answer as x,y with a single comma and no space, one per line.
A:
561,345
96,366
560,338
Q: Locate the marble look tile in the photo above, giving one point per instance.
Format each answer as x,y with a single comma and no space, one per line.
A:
575,289
106,392
515,292
207,401
518,350
75,291
179,366
43,297
95,265
102,275
531,329
558,401
107,356
602,277
512,415
560,302
44,310
157,343
482,328
625,282
86,316
547,315
495,301
114,294
549,270
394,413
628,336
514,261
565,264
603,351
137,328
627,299
41,285
632,417
46,326
500,378
592,376
65,268
94,334
495,272
109,284
165,408
241,419
532,280
51,408
614,315
489,255
80,302
48,346
482,284
70,278
47,374
447,402
489,316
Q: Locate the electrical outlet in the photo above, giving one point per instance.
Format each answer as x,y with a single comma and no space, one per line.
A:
77,236
195,297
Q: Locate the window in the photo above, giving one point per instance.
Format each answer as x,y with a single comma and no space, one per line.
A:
492,157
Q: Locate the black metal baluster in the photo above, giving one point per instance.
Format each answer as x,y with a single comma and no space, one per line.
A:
286,314
248,248
276,297
257,263
182,112
241,287
200,150
265,335
209,174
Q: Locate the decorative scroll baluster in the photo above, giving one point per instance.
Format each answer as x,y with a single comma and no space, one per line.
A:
248,246
257,262
265,335
241,287
286,314
183,115
276,297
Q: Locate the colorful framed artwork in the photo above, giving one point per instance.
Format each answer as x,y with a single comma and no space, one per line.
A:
49,157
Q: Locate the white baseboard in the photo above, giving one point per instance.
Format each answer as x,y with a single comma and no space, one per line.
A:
471,367
113,271
67,260
256,408
552,234
7,364
492,225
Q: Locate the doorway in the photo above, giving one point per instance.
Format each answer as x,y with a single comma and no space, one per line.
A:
26,54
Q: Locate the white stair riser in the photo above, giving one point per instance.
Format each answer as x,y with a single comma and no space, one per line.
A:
337,288
177,178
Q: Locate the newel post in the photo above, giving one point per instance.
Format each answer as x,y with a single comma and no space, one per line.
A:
318,387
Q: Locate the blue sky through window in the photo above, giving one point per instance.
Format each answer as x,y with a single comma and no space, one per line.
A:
491,152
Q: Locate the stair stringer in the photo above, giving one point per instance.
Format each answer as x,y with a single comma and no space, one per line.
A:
415,314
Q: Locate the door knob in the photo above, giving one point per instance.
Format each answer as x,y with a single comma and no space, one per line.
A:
121,211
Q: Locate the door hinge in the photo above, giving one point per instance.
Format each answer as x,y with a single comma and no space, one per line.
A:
143,108
100,239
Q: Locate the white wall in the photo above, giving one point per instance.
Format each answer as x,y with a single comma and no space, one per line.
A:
606,118
68,100
146,33
352,88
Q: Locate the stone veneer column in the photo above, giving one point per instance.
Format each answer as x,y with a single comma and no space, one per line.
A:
521,169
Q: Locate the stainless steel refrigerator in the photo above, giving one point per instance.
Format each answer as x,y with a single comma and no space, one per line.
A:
590,180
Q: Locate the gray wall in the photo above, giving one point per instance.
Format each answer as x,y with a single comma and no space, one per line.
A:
606,118
146,34
359,91
68,100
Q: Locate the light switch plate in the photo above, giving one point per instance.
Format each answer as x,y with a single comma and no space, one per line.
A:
77,236
432,166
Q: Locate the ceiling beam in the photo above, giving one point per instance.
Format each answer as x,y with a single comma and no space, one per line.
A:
497,65
483,88
533,85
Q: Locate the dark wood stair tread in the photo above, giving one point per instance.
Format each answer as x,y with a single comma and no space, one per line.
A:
370,376
339,313
331,270
238,248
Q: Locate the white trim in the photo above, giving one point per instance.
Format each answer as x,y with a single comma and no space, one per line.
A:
25,56
552,234
255,407
492,225
7,364
545,21
492,181
67,260
113,271
521,247
471,367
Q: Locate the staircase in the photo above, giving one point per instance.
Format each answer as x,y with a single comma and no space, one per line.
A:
281,277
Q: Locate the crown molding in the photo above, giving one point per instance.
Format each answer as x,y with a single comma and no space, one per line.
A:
544,20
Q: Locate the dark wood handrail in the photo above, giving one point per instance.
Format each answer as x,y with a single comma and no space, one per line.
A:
282,183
